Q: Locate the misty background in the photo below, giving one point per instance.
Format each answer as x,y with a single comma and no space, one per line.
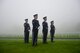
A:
65,13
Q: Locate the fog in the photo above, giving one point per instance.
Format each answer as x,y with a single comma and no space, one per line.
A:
65,13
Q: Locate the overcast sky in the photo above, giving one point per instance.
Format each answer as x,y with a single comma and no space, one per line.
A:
65,13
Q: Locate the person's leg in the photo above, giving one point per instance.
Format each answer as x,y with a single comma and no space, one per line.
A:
36,37
27,37
24,37
43,37
46,36
33,39
51,37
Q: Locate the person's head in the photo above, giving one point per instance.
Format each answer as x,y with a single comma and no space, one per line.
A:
26,20
45,18
52,22
35,16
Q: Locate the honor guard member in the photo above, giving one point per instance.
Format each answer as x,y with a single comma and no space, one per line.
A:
26,31
45,29
52,30
36,25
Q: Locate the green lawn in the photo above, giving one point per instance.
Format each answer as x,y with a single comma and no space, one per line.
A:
59,46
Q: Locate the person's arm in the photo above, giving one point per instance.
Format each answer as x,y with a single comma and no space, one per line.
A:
43,25
32,22
29,27
38,25
47,26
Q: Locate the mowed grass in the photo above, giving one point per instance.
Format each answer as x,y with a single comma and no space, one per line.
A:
59,46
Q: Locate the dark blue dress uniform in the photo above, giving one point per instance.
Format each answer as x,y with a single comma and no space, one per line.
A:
35,24
45,31
26,32
52,32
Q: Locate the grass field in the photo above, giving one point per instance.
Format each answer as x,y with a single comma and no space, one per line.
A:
59,46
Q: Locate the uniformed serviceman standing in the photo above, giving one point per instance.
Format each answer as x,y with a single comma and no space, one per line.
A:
52,30
45,29
26,31
36,25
